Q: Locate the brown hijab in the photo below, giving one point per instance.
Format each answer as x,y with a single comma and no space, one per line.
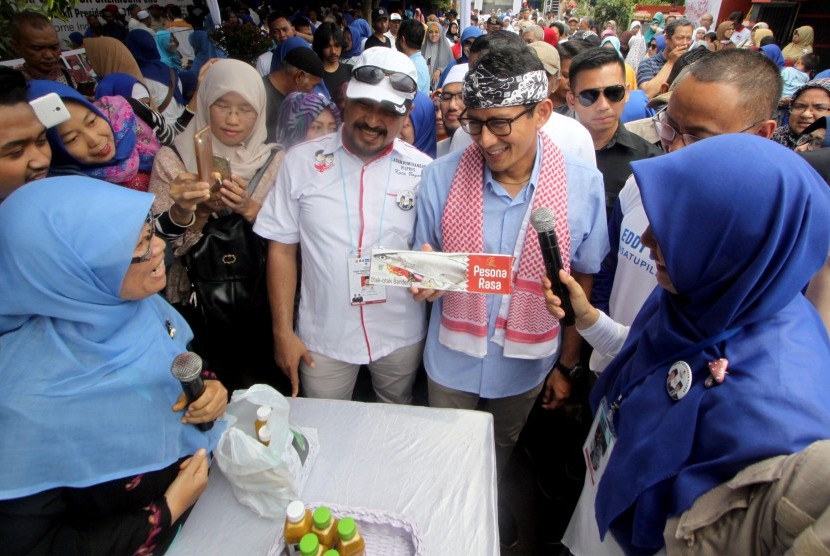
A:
108,55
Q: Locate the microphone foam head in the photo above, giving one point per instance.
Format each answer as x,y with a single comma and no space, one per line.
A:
542,219
186,366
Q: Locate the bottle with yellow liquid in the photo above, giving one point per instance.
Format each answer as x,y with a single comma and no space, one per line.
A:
324,526
297,525
263,413
310,546
331,552
349,541
264,435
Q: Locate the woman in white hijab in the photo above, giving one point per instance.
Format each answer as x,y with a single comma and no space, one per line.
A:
636,46
231,101
698,38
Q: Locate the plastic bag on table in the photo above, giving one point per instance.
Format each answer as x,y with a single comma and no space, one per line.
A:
264,478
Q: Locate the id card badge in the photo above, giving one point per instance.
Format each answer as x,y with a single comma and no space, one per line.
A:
361,292
600,442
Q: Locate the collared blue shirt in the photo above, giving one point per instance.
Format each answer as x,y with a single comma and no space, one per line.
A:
423,72
496,376
649,68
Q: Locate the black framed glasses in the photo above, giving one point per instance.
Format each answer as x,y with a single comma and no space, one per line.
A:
614,93
668,135
147,255
500,127
372,75
446,97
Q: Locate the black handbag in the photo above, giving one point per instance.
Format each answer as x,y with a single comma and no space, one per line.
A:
226,267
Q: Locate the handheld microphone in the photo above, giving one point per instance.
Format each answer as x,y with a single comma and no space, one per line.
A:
187,369
544,221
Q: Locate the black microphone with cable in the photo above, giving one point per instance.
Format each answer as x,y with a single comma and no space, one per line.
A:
544,222
187,369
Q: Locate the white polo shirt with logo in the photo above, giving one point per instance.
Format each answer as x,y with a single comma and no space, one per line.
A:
335,206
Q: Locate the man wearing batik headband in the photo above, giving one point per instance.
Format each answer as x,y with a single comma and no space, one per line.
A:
339,197
488,351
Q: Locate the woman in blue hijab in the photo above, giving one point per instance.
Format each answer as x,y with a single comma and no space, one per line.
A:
726,363
103,140
204,49
162,80
360,31
95,450
168,47
419,129
773,52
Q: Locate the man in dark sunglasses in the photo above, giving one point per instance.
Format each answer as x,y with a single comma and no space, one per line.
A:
597,96
339,197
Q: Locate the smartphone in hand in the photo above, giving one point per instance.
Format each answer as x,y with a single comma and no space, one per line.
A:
203,144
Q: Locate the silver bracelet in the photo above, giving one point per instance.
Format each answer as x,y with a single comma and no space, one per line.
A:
189,224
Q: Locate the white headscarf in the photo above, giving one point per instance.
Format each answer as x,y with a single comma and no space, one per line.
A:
695,42
229,76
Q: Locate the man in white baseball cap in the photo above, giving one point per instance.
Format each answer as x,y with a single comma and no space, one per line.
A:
386,76
340,196
394,24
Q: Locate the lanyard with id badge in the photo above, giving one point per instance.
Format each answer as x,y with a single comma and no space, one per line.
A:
361,291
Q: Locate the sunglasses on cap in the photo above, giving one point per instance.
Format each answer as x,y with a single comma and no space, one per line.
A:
614,93
372,75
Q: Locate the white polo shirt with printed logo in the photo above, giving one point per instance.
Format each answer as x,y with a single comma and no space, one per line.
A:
335,206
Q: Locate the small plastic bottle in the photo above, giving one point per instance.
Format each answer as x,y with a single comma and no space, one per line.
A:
331,552
324,526
310,545
297,525
264,435
263,413
349,541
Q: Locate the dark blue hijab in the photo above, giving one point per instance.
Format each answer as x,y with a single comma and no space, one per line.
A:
117,84
146,54
773,52
739,254
359,30
204,49
124,132
423,122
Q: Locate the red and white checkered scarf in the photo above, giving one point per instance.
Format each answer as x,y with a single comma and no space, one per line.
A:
524,327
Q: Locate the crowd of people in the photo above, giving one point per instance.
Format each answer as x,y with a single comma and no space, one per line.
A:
686,164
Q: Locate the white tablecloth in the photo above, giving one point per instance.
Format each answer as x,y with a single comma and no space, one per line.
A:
434,466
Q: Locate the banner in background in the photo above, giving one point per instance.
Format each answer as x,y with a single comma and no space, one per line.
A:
696,8
76,18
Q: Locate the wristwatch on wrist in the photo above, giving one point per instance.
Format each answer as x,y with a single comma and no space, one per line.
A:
572,373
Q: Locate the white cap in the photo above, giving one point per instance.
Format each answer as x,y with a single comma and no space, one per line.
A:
295,511
143,14
456,74
394,16
263,412
387,59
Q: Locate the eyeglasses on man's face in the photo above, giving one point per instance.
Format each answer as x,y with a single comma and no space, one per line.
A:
500,127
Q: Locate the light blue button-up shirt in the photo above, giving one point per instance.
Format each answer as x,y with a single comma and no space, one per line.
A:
494,375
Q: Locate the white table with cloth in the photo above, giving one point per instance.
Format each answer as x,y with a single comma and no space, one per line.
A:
436,467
